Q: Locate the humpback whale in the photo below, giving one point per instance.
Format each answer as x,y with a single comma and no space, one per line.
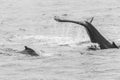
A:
29,51
93,33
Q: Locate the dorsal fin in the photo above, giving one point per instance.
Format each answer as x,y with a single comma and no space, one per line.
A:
26,47
29,51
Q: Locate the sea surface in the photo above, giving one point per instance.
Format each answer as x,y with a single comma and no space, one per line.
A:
62,47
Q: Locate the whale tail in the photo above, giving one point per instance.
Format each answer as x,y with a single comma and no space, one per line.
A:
93,33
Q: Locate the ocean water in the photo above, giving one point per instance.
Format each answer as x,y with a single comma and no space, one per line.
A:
62,46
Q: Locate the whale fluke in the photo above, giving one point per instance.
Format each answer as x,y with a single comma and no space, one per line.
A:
29,51
91,20
93,33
